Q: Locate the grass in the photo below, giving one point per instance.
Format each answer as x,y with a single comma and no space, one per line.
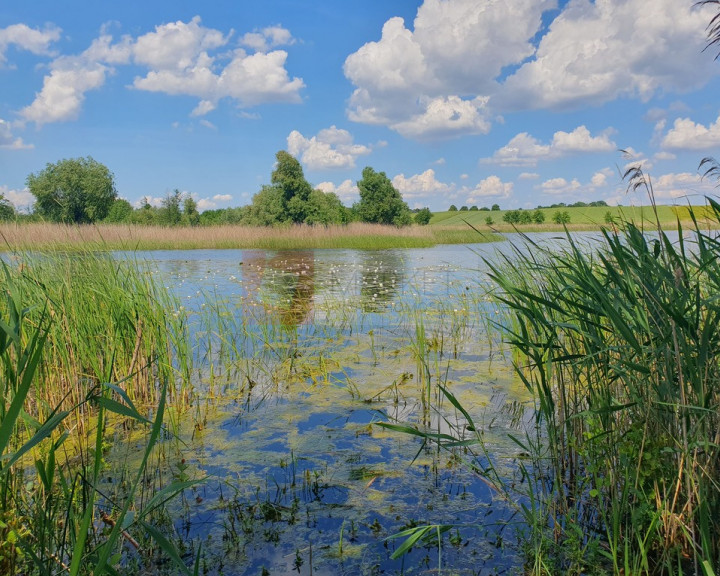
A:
588,218
59,237
57,408
621,348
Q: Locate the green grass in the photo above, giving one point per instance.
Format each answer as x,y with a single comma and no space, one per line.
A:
621,349
70,325
588,218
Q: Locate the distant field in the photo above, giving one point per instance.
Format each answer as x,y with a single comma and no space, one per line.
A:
580,218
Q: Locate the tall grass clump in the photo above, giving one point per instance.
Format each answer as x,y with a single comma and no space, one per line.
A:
111,321
620,345
57,513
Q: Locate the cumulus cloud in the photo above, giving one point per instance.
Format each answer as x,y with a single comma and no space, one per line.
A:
7,140
179,57
423,185
674,186
21,199
331,148
595,52
572,189
268,38
687,135
525,150
347,190
180,60
420,82
210,203
464,50
23,37
490,187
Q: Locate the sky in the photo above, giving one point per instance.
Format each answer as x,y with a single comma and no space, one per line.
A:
468,102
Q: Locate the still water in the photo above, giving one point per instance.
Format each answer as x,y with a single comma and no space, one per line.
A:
298,355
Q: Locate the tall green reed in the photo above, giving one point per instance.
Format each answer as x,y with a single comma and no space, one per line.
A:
54,516
620,346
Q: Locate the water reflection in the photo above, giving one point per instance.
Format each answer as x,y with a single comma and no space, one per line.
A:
380,279
283,282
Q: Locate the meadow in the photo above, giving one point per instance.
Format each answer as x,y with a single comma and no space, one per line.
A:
581,218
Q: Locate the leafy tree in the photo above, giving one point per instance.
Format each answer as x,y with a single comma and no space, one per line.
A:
289,177
325,208
75,190
463,208
268,207
473,208
191,215
423,216
538,216
452,208
495,207
561,217
512,217
525,217
170,211
7,210
489,221
380,202
120,211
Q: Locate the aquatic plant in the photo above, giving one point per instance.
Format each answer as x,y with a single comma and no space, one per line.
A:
620,346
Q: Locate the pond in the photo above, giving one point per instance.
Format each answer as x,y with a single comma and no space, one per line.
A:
298,356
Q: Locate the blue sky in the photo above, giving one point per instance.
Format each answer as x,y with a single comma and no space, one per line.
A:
465,102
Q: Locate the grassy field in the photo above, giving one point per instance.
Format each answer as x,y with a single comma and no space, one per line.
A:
588,218
47,236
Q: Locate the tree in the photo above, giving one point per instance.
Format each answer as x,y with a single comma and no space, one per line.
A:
380,202
170,212
120,211
76,190
538,216
7,210
423,216
561,217
489,221
452,208
288,176
495,207
191,215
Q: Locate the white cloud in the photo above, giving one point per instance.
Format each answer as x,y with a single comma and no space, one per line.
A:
675,186
595,52
267,38
571,189
222,197
461,50
687,135
439,162
178,56
19,198
347,190
331,148
559,186
25,38
410,79
7,140
664,156
446,117
63,91
490,187
529,176
179,59
525,150
423,185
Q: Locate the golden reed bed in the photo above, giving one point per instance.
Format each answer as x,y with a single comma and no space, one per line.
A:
49,236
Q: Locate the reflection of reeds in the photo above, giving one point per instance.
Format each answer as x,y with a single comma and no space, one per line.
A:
115,236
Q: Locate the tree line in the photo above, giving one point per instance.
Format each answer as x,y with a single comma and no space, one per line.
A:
82,191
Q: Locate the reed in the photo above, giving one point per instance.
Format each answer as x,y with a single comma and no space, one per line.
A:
60,237
54,517
620,346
